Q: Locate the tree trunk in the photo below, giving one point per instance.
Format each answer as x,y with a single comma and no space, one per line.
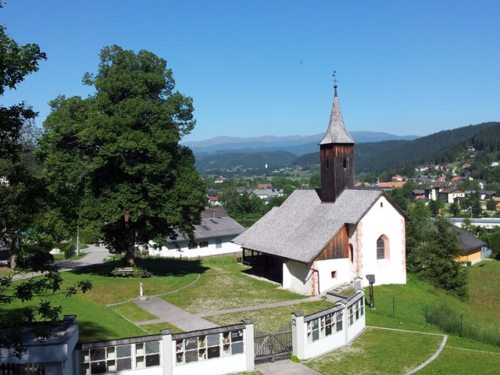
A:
13,261
130,255
14,253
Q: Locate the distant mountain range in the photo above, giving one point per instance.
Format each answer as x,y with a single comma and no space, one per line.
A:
297,144
262,154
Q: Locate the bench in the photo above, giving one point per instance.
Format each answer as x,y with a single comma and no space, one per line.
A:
123,272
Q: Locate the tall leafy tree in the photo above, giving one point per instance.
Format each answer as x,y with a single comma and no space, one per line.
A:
115,158
19,189
432,248
21,200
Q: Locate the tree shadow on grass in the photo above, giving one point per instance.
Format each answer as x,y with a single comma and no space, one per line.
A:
91,332
155,265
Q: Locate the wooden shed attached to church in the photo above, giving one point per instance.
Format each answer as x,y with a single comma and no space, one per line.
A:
318,239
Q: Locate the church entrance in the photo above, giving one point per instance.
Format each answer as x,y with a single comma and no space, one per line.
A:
264,265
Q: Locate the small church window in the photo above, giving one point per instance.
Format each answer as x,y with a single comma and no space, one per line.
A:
327,164
381,204
382,247
345,163
334,274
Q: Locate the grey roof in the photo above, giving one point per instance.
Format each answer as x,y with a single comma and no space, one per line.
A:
468,241
214,227
336,132
302,226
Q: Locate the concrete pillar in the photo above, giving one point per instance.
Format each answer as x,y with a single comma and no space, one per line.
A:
167,358
298,337
345,322
249,345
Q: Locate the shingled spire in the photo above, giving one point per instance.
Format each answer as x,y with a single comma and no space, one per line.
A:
336,154
336,132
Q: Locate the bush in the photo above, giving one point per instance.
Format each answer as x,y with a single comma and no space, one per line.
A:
455,323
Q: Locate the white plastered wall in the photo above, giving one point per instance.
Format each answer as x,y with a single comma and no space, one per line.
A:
297,277
170,251
381,219
344,272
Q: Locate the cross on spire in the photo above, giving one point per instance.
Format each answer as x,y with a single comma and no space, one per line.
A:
335,82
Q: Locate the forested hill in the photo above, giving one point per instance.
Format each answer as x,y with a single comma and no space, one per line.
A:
439,147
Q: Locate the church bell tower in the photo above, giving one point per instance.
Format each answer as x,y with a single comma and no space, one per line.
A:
336,155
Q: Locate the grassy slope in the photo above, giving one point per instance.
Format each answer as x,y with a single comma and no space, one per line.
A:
223,286
410,300
378,352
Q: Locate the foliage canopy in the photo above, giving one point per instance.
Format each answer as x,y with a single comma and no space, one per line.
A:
114,157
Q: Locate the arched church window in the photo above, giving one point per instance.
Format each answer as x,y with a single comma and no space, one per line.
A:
382,247
345,163
351,252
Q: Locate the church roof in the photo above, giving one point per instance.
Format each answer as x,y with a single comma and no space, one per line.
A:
302,226
336,132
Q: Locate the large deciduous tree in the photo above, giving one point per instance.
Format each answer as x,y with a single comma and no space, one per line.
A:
115,158
19,189
432,249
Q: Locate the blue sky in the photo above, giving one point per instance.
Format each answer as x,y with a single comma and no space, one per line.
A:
265,67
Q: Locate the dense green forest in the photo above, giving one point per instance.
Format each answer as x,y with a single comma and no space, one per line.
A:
444,146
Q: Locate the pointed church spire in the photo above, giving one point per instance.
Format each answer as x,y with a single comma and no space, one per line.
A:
336,132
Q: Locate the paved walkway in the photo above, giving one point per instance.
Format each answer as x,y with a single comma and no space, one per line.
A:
271,305
285,367
166,312
95,254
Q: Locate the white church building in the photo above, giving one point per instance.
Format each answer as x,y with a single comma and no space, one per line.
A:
318,239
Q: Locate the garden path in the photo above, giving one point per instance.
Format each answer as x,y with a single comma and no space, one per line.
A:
95,254
166,312
285,367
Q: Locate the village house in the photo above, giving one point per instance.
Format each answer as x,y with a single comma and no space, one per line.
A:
451,195
213,236
318,239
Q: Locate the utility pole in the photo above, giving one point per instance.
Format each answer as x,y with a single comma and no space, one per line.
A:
77,240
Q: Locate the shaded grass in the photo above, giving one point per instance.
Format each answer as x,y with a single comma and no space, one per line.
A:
378,352
463,362
167,276
270,320
133,312
223,285
156,328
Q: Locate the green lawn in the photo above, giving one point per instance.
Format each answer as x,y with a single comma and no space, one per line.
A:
133,312
270,320
458,361
378,352
224,285
167,276
406,304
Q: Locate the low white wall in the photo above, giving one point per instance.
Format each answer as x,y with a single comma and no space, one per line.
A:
228,365
175,352
323,343
297,277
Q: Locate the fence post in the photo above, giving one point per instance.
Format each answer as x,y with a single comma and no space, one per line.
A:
298,337
249,345
166,355
461,324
